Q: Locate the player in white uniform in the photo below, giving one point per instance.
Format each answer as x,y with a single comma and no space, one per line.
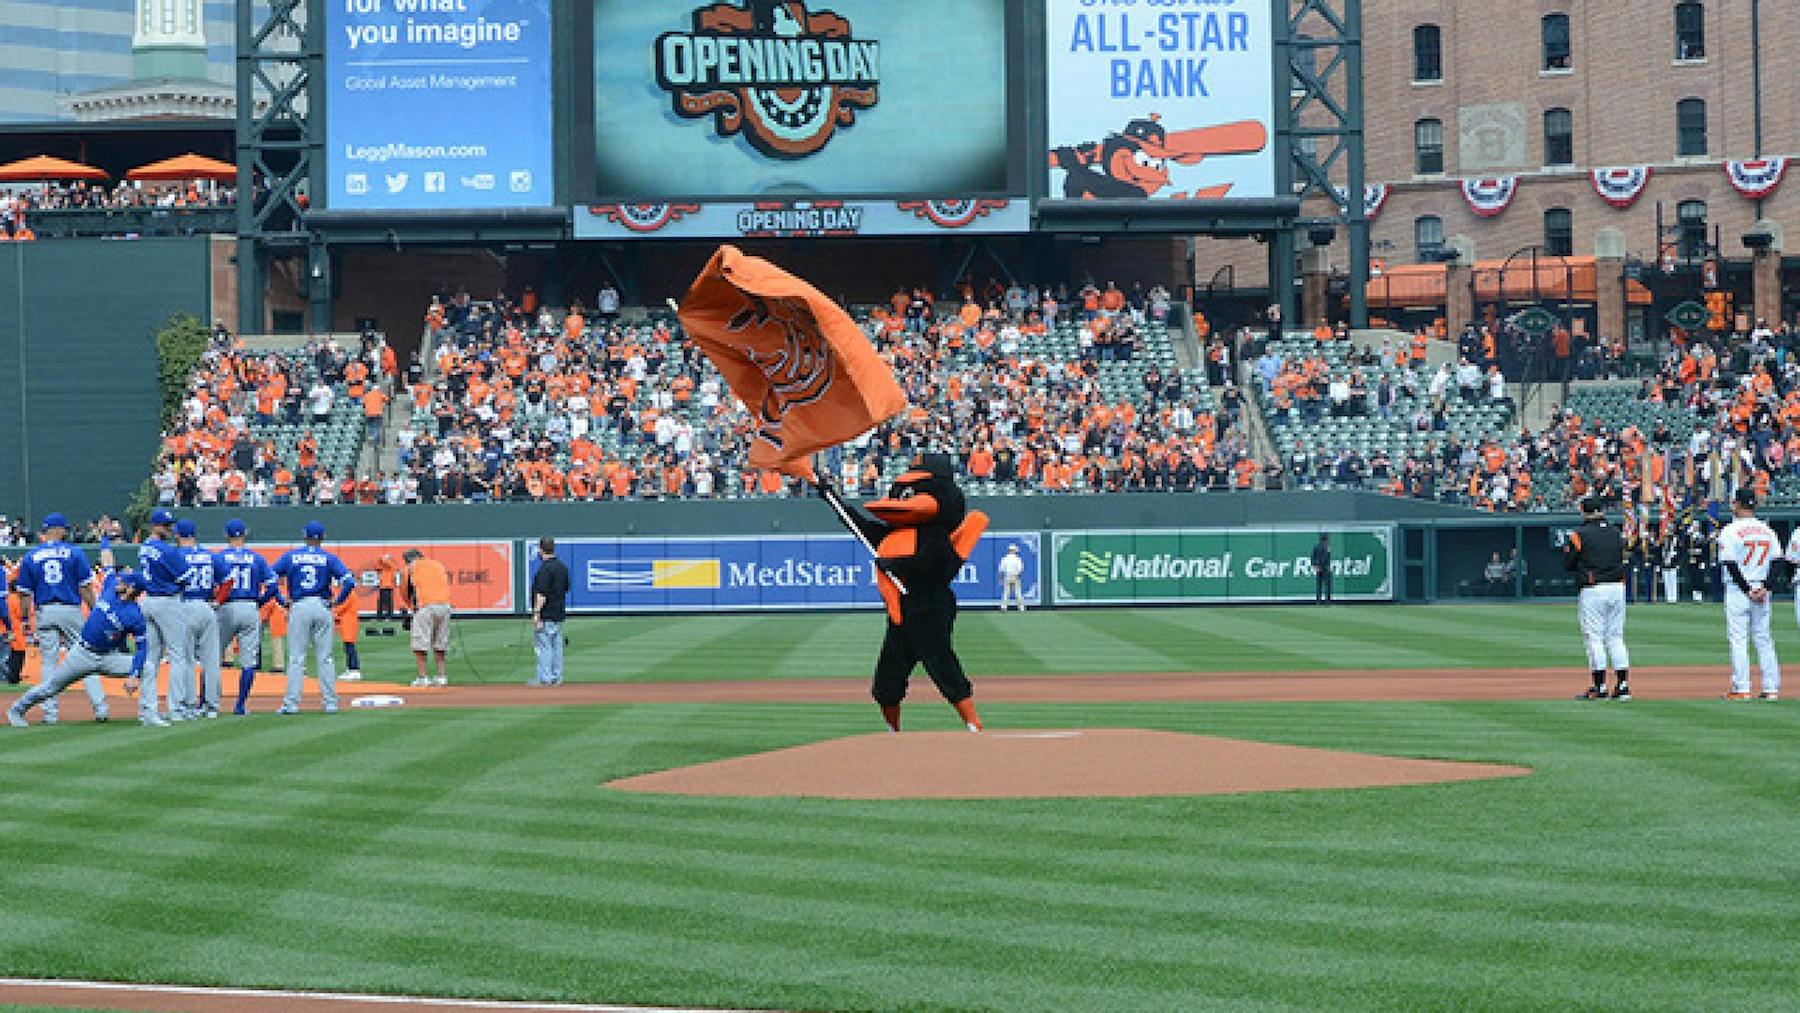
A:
1746,548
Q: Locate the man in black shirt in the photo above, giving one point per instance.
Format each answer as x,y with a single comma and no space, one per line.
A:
1595,553
549,602
1321,564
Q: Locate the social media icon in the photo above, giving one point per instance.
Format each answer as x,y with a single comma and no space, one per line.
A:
520,182
436,182
483,181
356,183
396,181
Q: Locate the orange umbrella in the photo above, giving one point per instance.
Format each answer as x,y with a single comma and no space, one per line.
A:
44,167
189,166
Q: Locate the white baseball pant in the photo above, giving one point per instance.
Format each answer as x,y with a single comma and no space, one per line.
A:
1747,621
1603,626
1012,590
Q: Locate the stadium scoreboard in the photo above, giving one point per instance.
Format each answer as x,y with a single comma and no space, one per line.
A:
795,118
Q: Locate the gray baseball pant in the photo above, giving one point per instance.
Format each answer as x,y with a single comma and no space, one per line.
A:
309,624
203,639
242,621
80,664
167,630
58,630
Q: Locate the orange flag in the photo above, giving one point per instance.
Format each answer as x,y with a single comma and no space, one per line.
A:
793,356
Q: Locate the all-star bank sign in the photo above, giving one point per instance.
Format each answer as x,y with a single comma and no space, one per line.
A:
1221,565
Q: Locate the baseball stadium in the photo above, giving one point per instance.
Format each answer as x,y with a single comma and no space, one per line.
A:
612,505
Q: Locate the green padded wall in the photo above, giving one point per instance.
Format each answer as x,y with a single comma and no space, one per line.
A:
78,365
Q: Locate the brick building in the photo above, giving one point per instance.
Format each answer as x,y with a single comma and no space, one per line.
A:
1542,92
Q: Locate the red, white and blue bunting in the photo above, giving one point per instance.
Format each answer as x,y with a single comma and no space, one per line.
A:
1375,197
1489,197
1758,177
1621,187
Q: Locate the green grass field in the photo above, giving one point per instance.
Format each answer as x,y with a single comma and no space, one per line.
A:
645,649
1649,862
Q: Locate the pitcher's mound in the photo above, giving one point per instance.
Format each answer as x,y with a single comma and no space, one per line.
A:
1070,763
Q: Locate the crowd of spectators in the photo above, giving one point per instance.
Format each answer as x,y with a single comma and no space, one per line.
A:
18,203
1742,390
528,403
211,452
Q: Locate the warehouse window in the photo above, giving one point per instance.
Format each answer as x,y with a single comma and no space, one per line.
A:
1690,216
1559,231
1559,137
1428,238
1690,127
1690,31
1556,42
1428,53
1428,143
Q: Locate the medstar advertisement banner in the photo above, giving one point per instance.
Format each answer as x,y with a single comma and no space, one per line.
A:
1154,98
1225,565
795,572
438,104
798,98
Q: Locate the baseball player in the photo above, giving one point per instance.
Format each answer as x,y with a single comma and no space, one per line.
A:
1012,570
98,649
58,577
1746,548
240,618
203,580
1595,552
315,580
160,566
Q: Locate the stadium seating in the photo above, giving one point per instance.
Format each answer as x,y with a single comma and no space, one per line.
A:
1368,433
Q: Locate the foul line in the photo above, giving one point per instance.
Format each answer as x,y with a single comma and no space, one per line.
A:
343,997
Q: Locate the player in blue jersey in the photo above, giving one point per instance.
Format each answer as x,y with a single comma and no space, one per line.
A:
240,617
160,566
56,575
315,581
202,578
99,649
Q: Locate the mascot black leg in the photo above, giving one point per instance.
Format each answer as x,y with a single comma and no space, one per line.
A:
933,632
892,670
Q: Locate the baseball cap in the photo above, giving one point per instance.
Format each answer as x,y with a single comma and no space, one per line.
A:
1745,497
162,517
314,530
235,528
186,528
132,580
1592,505
55,521
1012,547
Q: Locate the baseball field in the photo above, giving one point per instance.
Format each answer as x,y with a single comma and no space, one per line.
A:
1646,861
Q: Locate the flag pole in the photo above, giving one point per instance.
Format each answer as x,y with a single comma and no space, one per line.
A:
830,495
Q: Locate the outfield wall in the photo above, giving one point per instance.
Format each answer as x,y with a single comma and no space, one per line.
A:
78,373
1079,550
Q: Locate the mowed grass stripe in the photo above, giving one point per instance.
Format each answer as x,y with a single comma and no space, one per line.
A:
1303,900
1273,638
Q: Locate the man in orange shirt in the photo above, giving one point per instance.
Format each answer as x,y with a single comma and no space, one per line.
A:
427,586
374,404
347,615
386,575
